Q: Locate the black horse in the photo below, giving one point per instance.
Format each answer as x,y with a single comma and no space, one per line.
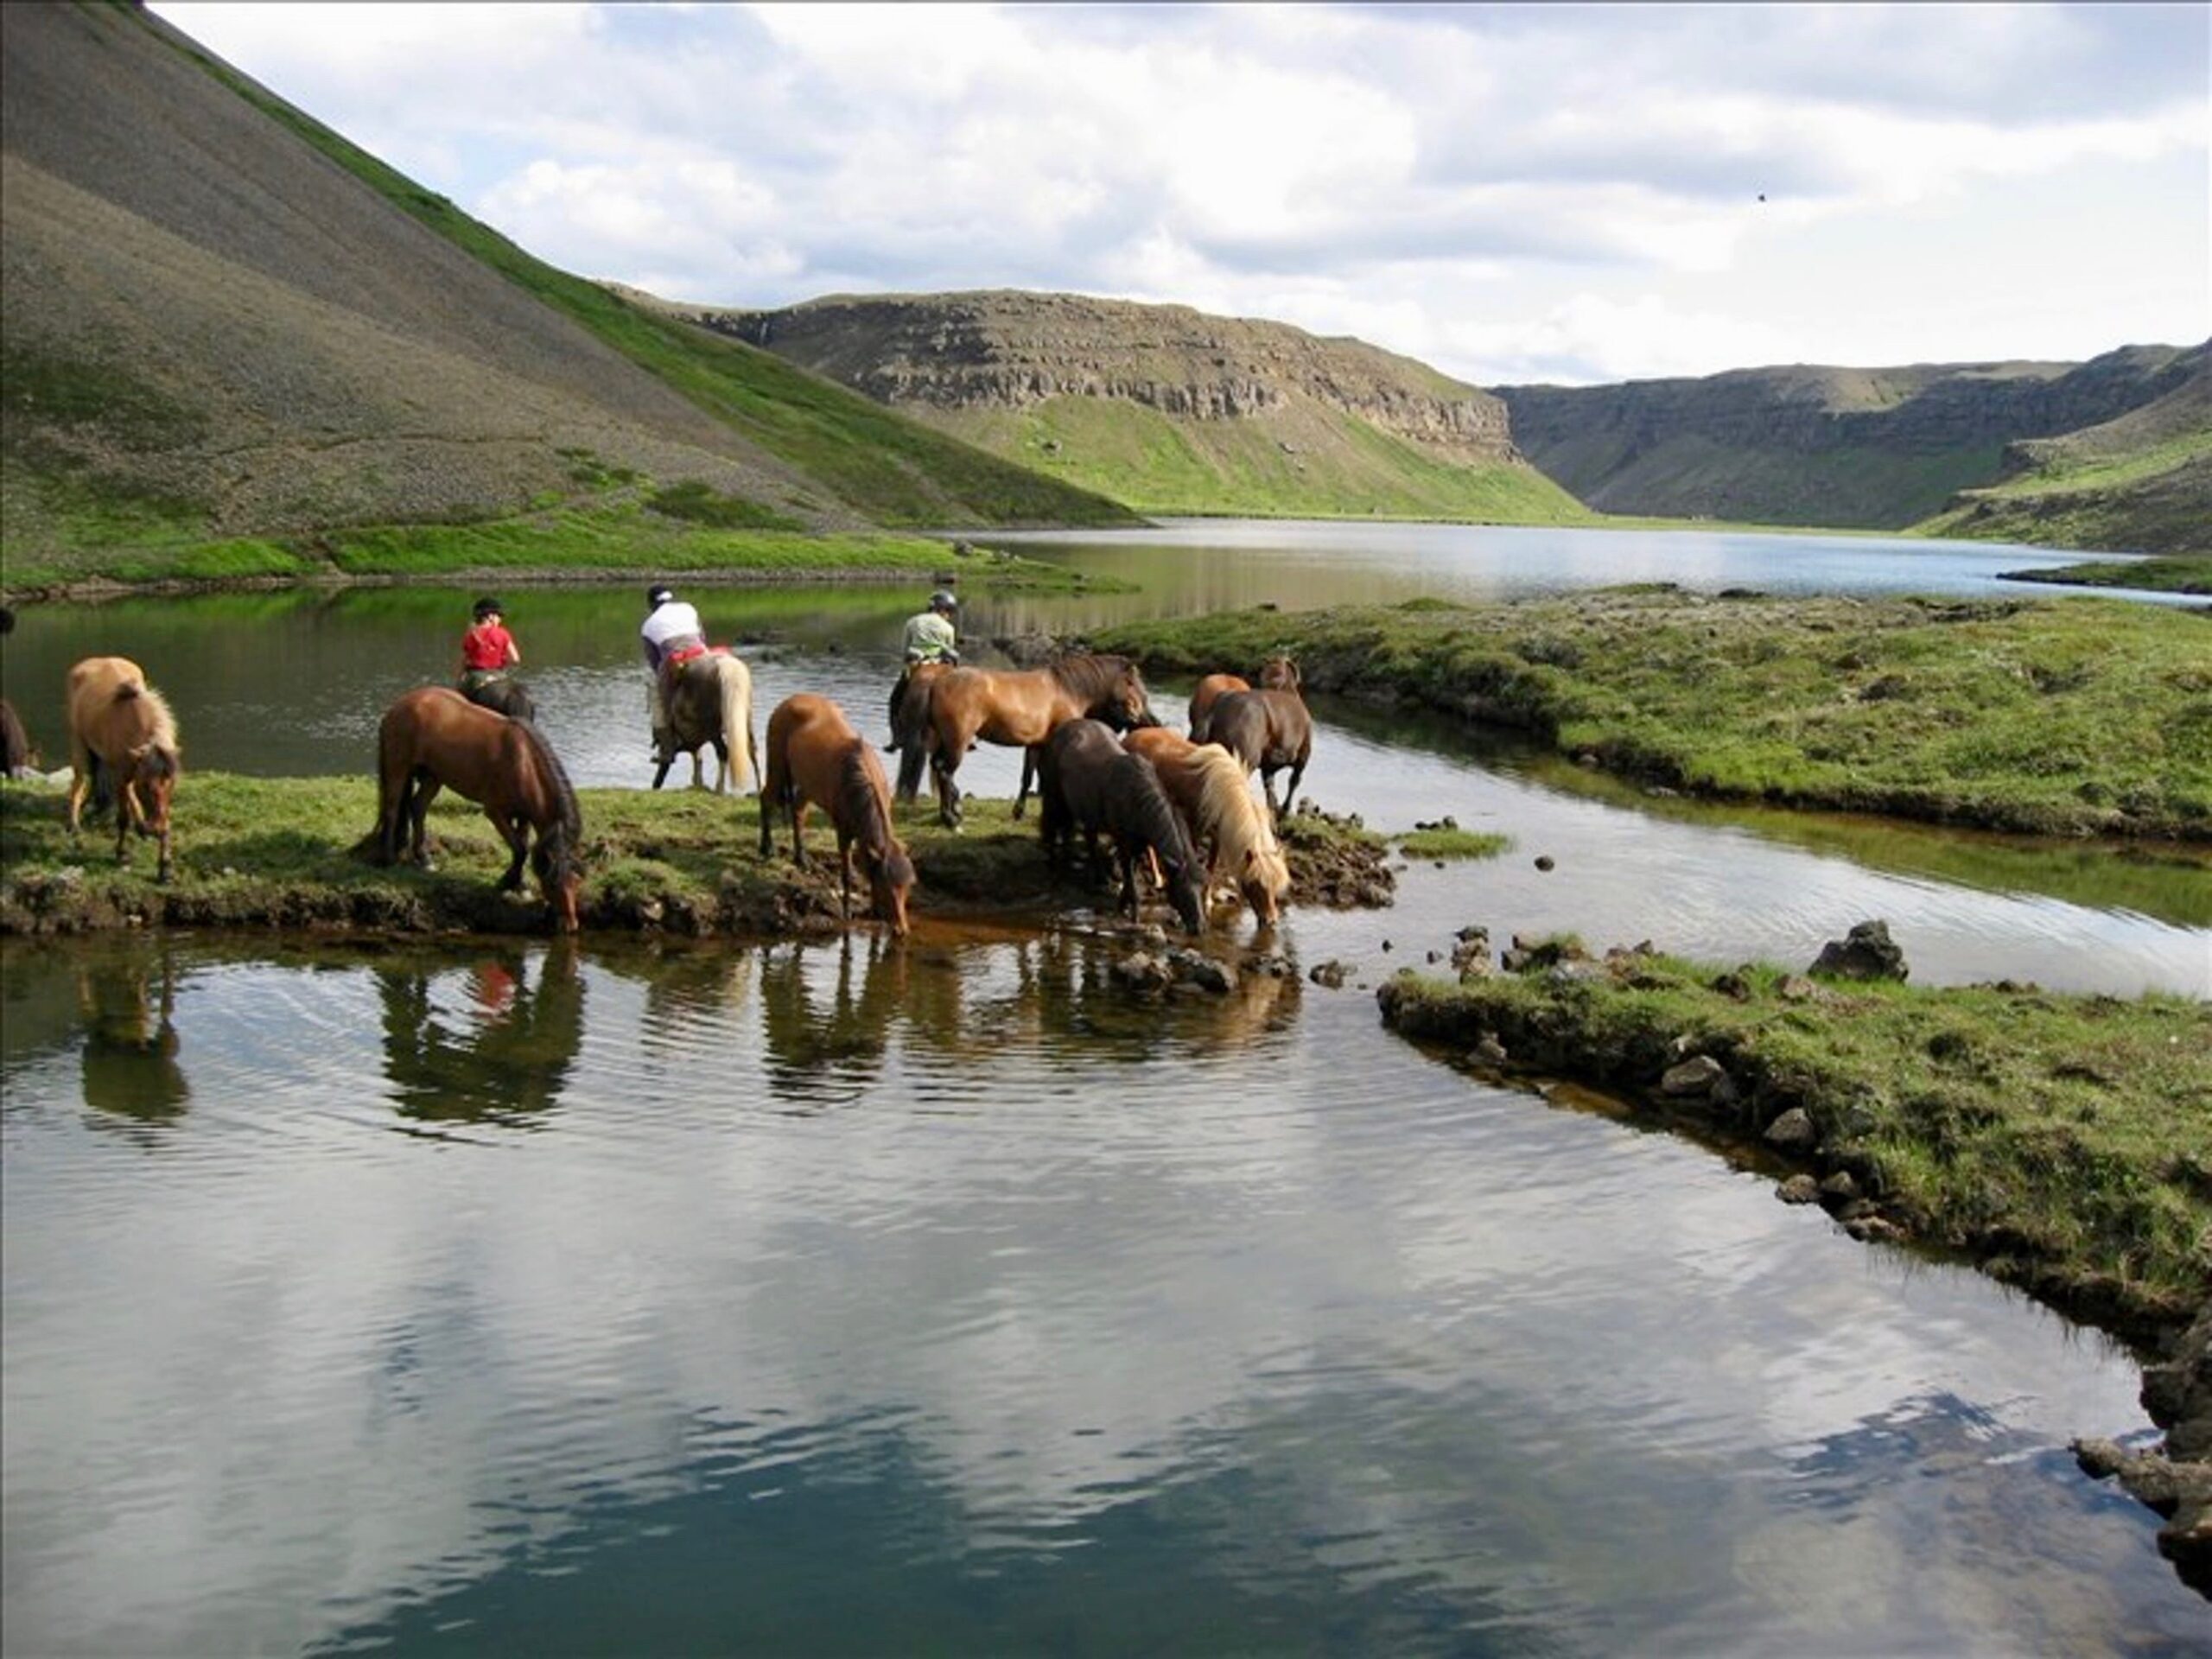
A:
1088,783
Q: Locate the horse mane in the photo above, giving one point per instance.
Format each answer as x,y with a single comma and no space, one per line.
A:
163,737
1153,817
869,821
1226,807
1088,674
569,829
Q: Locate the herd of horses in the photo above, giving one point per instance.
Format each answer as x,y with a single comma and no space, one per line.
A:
1179,811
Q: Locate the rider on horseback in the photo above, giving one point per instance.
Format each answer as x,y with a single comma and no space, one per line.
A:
672,635
929,638
487,650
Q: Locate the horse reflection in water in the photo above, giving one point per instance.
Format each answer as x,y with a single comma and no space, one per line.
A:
826,1023
486,1043
131,1066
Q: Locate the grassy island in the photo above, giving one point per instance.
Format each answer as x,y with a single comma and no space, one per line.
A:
2074,716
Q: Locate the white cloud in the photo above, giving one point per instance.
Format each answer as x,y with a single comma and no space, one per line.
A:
1499,186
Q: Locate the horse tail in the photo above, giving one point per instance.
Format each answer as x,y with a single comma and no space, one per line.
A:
917,735
736,682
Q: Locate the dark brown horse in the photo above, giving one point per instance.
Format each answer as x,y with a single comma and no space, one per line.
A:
1021,706
502,697
1269,730
816,758
1213,797
1087,783
118,721
709,700
1277,673
910,731
433,738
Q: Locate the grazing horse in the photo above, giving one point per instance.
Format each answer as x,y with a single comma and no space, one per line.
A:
1277,673
502,697
816,758
118,721
1269,730
1088,782
433,738
1210,794
15,751
1020,706
709,699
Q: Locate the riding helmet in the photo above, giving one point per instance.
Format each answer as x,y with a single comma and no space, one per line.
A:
657,595
488,606
941,600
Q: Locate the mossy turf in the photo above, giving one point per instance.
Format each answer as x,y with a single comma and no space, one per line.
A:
2063,1141
2072,716
2156,575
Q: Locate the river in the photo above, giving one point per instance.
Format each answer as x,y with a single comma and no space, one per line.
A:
836,1298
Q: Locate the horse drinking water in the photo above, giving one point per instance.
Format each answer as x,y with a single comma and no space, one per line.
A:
1021,707
1087,782
433,738
120,723
1210,794
816,758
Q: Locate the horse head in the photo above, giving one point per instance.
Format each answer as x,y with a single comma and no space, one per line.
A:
1263,881
560,875
890,879
1278,674
1187,890
150,785
1126,707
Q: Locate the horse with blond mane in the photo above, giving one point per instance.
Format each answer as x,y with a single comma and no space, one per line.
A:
118,721
816,758
709,699
1210,794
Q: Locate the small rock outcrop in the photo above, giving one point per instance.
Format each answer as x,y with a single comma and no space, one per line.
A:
1867,952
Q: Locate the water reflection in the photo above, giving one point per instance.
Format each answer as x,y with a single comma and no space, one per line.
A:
824,1042
488,1042
129,1007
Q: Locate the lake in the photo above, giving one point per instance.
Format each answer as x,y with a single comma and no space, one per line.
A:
472,1296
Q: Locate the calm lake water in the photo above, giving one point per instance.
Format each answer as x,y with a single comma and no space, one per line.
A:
836,1297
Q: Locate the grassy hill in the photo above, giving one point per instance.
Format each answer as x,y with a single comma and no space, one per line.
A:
1876,448
2141,483
1167,410
226,328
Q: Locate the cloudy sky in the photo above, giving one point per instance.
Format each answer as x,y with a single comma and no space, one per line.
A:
1553,193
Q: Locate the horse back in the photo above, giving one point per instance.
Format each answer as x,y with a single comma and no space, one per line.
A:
466,749
1262,726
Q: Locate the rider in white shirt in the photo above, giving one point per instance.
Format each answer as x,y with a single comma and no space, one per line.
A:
672,635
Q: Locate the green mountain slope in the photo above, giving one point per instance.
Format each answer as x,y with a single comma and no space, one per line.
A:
220,319
2139,483
1877,448
1170,410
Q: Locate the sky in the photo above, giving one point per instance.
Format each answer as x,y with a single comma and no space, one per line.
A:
1564,194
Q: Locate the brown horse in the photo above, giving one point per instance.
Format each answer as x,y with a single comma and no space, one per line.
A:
1267,729
1087,782
1210,795
816,758
709,700
909,730
119,721
502,696
1277,673
433,738
1023,707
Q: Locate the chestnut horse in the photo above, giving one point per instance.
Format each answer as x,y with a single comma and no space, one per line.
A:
1020,706
1268,730
1210,794
911,734
433,738
1276,674
709,700
816,758
118,721
1088,782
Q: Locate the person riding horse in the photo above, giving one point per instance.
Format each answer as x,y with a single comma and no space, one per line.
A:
487,650
671,636
930,638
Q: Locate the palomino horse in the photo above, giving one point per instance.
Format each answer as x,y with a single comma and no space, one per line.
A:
709,700
816,758
1088,782
433,738
1269,730
1210,794
1020,706
1276,674
118,721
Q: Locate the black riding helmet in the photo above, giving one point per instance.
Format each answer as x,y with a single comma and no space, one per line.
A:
658,595
488,606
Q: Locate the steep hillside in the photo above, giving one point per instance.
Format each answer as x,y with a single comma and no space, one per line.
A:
220,319
2141,483
1874,447
1167,410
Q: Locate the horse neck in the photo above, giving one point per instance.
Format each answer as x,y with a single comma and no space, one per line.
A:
558,807
862,811
1090,679
1228,809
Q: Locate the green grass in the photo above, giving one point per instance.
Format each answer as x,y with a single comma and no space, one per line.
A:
2064,1141
2157,500
2064,716
1315,462
1450,842
2154,575
896,470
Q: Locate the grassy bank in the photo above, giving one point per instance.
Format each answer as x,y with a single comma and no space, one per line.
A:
2071,716
284,853
2064,1142
604,540
2173,576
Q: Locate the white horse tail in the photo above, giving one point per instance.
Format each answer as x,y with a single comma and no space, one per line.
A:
737,723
